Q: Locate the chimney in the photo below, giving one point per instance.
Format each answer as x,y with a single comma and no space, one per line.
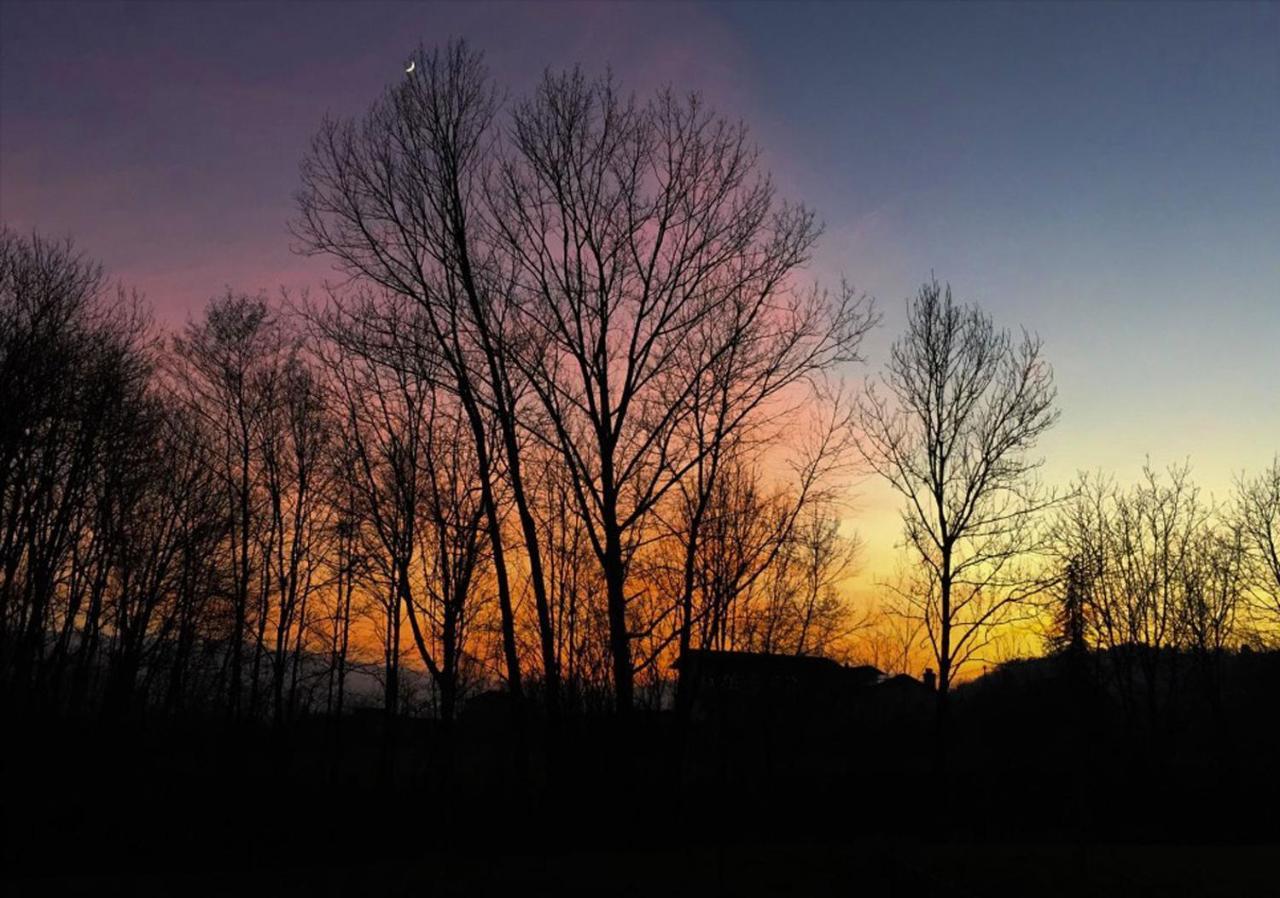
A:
930,679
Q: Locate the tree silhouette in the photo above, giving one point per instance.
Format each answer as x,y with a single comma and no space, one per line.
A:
653,268
598,283
1258,512
395,200
1070,624
949,426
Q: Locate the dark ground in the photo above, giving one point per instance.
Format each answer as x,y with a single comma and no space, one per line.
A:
1055,789
879,868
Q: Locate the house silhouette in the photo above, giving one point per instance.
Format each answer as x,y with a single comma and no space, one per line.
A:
715,684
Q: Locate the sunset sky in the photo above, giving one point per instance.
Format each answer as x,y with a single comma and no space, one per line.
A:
1107,175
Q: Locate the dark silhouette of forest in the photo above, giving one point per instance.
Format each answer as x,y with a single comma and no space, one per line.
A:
513,559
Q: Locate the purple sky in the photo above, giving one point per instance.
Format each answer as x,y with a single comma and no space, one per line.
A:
1105,174
166,137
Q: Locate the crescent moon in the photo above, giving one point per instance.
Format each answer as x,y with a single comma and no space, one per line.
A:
409,70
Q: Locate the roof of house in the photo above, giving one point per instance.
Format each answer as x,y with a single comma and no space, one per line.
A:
768,664
903,681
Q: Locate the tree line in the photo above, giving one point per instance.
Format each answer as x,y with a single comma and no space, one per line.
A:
570,411
1152,576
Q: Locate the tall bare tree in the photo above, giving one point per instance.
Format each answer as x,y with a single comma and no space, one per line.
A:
294,448
395,200
654,271
223,366
950,425
413,485
75,358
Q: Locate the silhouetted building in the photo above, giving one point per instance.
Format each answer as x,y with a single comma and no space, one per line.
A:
902,694
715,683
906,682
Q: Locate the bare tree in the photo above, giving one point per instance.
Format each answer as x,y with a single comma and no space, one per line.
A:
385,411
653,268
394,200
573,587
1214,589
455,559
1258,515
950,426
75,358
1152,533
1154,572
223,366
293,448
346,561
200,582
413,486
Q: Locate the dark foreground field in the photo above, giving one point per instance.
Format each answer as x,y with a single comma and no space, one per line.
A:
1051,789
871,867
